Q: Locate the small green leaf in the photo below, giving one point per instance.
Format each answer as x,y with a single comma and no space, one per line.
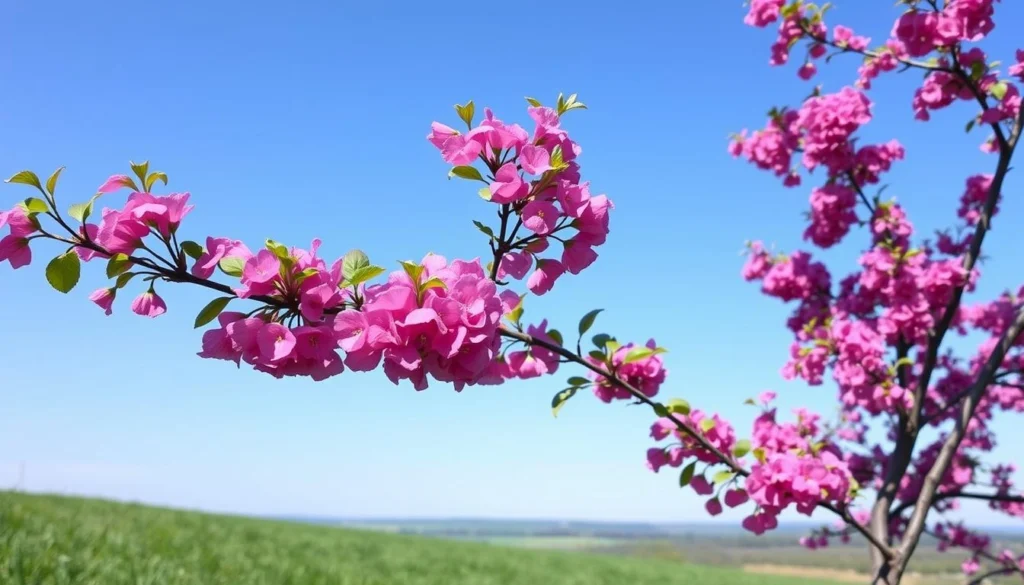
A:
413,269
140,169
193,249
640,353
588,320
232,266
485,193
612,345
82,211
124,279
517,313
601,339
556,336
741,448
302,276
557,160
598,355
466,172
687,475
34,205
560,399
64,271
27,178
577,381
998,90
970,124
723,476
485,229
279,249
533,102
152,179
352,262
759,454
434,282
51,183
750,401
679,406
364,274
118,264
212,310
707,424
466,112
660,410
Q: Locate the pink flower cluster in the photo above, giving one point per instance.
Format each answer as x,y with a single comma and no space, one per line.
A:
538,177
534,361
796,468
14,247
646,374
922,31
716,430
449,332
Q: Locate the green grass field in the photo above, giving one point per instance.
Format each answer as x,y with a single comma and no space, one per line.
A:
50,540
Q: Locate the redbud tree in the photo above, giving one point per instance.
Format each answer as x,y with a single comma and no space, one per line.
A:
881,331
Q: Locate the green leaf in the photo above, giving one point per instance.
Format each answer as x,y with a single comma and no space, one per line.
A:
533,102
560,399
612,345
687,475
353,261
434,282
124,279
750,401
64,271
601,339
557,160
679,406
118,264
82,211
759,455
27,178
556,336
413,269
485,229
140,169
660,410
598,355
517,313
577,381
588,320
466,172
34,205
707,424
639,353
723,476
998,90
466,112
970,124
363,274
279,250
232,266
302,276
485,193
741,448
193,249
152,179
212,310
51,183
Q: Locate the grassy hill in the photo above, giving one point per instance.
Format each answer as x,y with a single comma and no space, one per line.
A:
50,540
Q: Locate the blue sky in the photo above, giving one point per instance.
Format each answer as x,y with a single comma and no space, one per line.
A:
307,119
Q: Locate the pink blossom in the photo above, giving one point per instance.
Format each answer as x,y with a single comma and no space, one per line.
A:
15,249
276,342
114,183
534,160
216,250
508,186
149,304
702,486
540,216
713,507
736,497
544,277
104,299
577,256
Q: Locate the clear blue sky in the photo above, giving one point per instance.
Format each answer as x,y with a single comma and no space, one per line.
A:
306,119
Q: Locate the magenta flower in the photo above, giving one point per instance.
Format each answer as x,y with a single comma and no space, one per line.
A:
164,213
736,497
713,506
516,265
216,250
540,217
114,183
439,134
15,250
534,159
577,256
276,342
508,186
702,486
104,298
149,304
120,233
544,277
